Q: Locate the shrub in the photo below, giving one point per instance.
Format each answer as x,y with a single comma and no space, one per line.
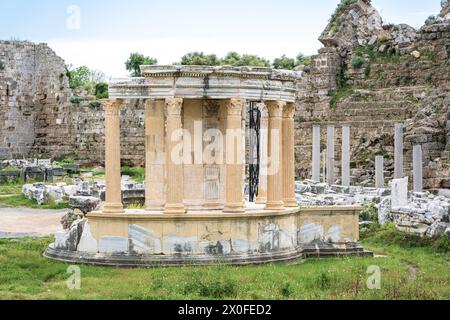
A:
95,105
442,244
323,281
137,173
369,213
358,62
76,100
217,288
101,90
287,290
431,19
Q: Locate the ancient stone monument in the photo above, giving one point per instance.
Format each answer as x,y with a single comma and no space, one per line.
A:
196,211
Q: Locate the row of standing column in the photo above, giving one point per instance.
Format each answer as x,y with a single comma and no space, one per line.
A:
280,189
329,160
379,160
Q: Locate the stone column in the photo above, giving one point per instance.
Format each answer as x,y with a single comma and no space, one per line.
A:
330,155
316,154
288,156
174,162
113,201
345,156
212,167
398,155
234,157
324,166
154,155
379,172
263,152
417,169
275,172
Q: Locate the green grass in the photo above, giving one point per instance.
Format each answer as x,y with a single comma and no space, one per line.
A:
17,201
25,274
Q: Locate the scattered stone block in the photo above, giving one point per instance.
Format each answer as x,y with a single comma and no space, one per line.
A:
85,204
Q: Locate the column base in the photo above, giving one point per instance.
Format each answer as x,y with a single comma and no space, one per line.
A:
113,208
234,208
213,206
261,200
154,206
290,203
274,205
175,209
154,209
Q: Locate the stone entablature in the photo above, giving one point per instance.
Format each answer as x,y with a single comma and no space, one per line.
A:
206,82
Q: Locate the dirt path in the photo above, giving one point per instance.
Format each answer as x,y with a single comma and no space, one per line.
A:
23,222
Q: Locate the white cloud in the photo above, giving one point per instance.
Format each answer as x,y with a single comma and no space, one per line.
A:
110,56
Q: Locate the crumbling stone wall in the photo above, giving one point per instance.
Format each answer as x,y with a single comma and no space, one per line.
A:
88,121
372,76
38,119
34,94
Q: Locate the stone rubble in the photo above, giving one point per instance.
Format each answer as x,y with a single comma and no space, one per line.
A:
83,195
424,214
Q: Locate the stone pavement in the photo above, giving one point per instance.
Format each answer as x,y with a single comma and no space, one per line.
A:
23,222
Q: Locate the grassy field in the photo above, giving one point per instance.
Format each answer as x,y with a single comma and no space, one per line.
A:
406,273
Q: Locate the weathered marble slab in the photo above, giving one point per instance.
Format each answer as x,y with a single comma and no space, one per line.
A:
399,195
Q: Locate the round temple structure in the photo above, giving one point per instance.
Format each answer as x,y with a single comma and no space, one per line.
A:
219,180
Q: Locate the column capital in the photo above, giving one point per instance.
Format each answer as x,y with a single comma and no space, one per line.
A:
235,106
275,108
263,109
211,107
174,106
289,110
111,106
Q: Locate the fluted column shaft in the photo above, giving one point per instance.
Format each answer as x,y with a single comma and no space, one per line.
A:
113,197
154,155
234,157
275,172
174,162
288,159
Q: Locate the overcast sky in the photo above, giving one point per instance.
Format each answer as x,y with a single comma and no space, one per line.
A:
102,33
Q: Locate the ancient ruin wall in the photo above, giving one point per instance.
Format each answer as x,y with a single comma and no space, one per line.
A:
38,119
34,93
402,78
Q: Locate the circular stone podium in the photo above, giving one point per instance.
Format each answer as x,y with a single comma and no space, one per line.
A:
195,207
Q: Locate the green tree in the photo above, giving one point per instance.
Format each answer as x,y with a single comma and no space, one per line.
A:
135,61
236,60
253,61
78,77
199,59
231,59
284,63
303,60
